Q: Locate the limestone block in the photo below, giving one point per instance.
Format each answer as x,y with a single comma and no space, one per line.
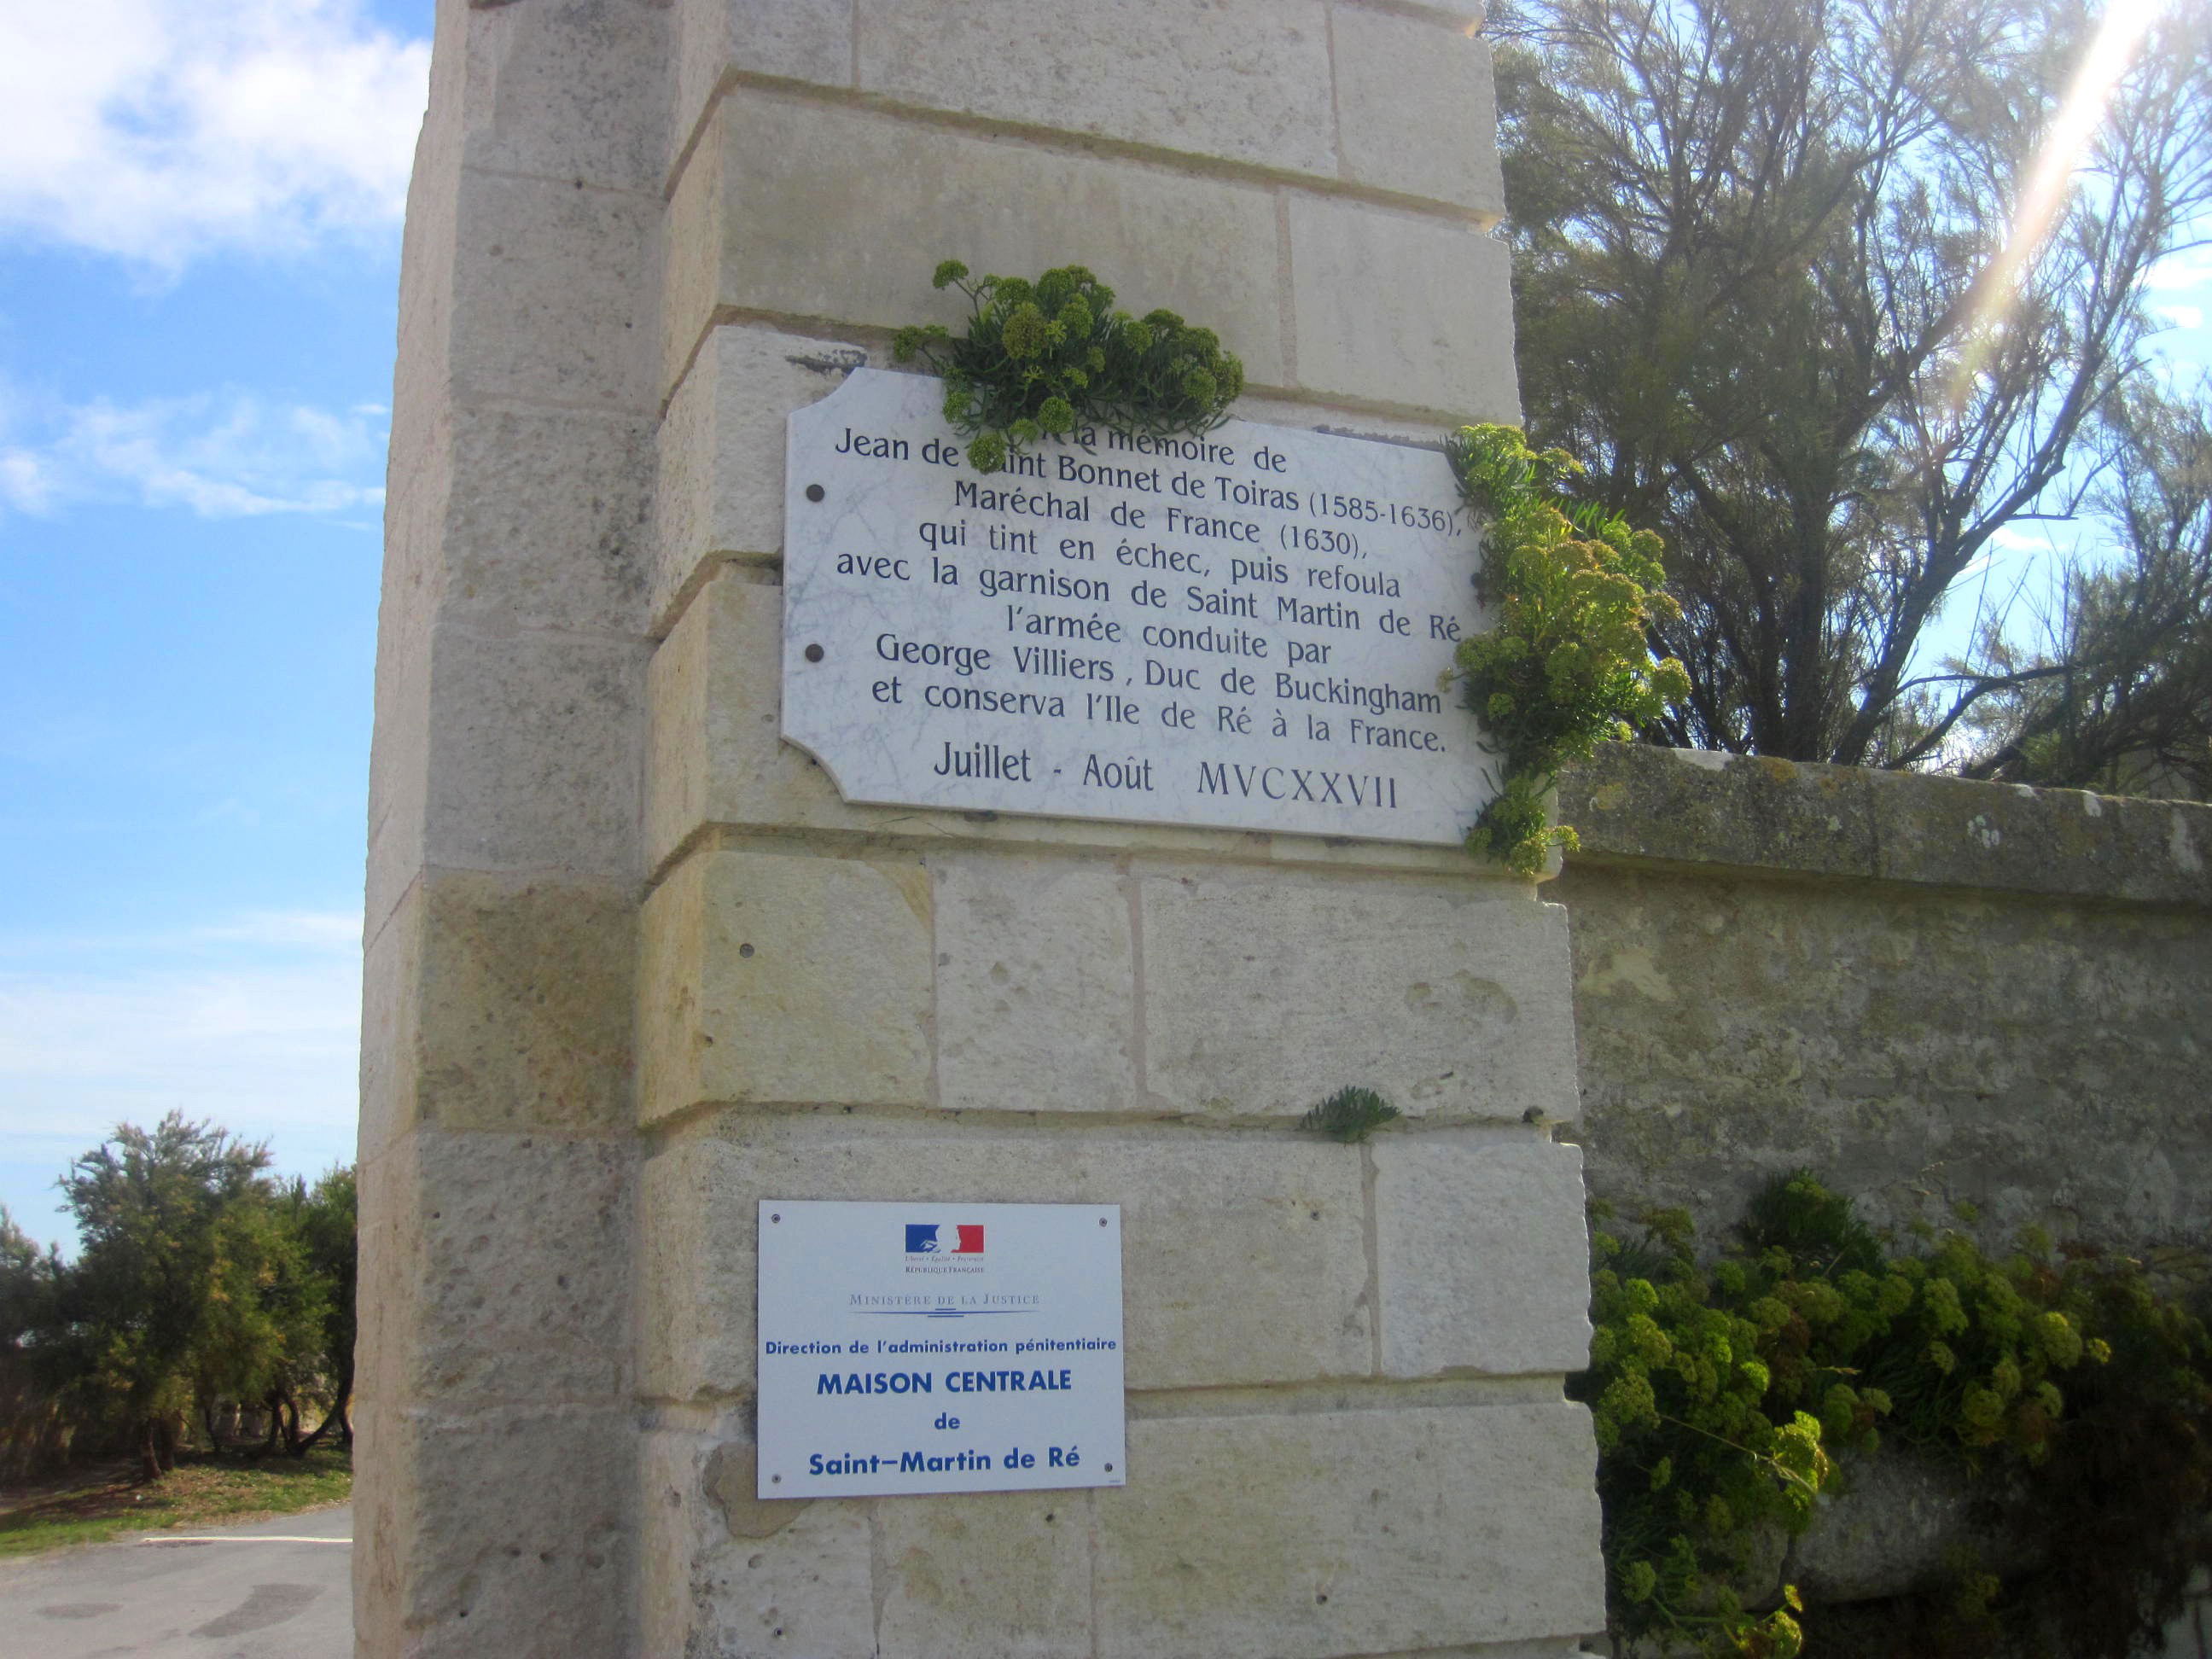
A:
1953,831
1696,806
428,239
2042,1059
697,700
1403,309
767,977
691,255
1450,997
809,40
571,90
523,1005
1900,1523
1467,14
537,746
1482,1253
1036,987
399,753
384,1345
720,484
517,1521
552,300
883,199
1368,1532
547,524
420,476
1410,428
1241,80
1690,807
718,755
726,1574
501,1264
1253,1266
1419,112
391,1013
1005,1573
385,1471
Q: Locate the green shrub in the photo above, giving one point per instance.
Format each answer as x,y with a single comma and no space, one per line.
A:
1572,590
1044,358
1721,1393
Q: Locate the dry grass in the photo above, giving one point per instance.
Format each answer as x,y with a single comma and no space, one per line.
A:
90,1506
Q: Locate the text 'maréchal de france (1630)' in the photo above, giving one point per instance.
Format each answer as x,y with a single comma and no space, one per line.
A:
1246,630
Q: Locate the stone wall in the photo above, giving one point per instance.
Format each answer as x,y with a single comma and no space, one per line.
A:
633,964
1936,993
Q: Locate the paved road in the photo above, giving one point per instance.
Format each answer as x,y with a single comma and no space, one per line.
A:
249,1592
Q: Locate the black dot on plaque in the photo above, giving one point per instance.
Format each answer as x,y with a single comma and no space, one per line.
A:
814,653
814,492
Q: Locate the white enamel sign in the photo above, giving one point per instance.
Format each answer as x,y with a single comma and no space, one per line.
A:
939,1347
1243,630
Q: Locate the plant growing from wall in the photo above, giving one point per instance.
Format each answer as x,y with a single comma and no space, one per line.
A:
2065,1387
1574,592
1043,358
1693,1463
1350,1116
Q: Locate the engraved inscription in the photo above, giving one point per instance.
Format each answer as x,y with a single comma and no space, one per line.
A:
1247,629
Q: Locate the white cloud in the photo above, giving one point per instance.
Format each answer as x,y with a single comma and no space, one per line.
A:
219,455
161,130
27,481
2178,315
338,930
2192,268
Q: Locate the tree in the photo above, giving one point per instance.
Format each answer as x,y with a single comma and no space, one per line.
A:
166,1273
32,1430
24,1284
199,1281
1788,275
2119,698
325,1220
260,1332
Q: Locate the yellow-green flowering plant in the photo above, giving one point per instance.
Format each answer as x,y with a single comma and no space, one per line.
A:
1723,1390
1042,358
1565,663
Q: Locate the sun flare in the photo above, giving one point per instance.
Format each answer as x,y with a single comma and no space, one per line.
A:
2112,51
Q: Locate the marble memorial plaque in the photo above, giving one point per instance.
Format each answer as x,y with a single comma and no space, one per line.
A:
1245,630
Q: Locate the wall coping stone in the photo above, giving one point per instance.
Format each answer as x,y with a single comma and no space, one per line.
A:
1633,804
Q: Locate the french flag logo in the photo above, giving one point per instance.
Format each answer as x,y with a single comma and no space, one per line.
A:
927,1239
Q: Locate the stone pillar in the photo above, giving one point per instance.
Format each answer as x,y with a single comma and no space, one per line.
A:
634,964
496,1503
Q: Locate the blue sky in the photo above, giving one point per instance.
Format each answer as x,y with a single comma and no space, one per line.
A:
199,217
